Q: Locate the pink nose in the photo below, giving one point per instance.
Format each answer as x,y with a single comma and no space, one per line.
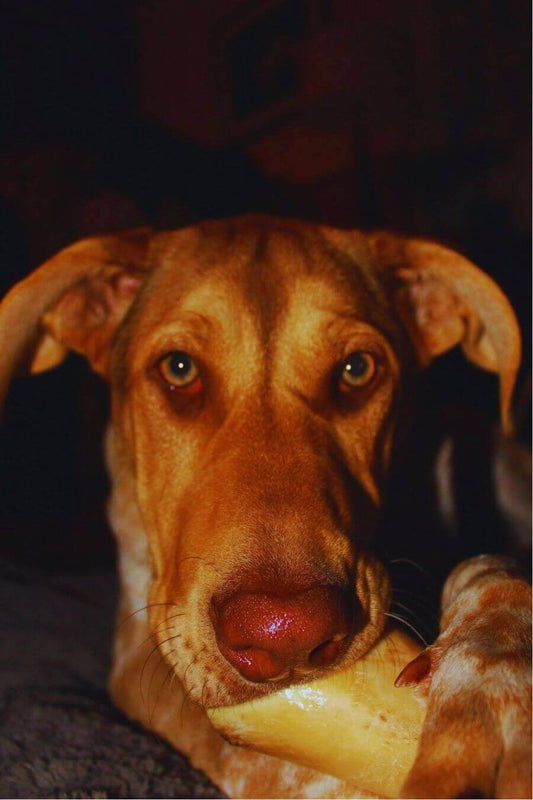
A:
268,636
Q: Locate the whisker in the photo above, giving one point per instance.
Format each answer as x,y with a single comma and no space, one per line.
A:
143,608
174,677
187,691
427,625
170,672
169,639
150,714
144,641
392,647
422,570
160,629
154,633
166,623
174,616
184,679
415,595
156,648
409,561
398,618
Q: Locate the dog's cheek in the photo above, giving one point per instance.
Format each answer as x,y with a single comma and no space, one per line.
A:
163,458
366,438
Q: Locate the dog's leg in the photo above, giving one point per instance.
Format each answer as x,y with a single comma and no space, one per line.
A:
476,740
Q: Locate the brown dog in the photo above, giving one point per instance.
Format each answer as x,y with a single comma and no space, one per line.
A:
259,369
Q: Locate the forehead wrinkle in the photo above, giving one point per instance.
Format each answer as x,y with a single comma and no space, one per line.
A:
257,259
260,286
279,253
187,331
315,306
209,309
352,265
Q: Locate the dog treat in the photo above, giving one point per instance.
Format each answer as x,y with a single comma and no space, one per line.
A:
354,724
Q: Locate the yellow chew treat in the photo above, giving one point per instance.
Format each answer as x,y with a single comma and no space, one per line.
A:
354,724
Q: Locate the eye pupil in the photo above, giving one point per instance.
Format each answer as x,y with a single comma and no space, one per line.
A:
357,365
179,370
358,369
179,364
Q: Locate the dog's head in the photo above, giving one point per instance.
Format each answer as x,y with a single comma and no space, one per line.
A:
258,369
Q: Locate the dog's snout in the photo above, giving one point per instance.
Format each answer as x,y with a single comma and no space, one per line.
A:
274,637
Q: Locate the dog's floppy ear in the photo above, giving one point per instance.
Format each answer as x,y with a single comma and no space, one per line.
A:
76,300
445,300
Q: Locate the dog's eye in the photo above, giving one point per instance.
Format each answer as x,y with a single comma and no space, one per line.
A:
358,369
179,370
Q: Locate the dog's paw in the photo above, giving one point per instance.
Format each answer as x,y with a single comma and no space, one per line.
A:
476,739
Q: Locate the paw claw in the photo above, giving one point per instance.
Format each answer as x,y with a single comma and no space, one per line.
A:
419,672
415,671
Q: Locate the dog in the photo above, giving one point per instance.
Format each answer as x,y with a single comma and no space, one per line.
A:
261,371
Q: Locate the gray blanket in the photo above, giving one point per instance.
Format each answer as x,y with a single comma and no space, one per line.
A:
60,735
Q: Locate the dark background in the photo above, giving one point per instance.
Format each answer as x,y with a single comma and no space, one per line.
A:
397,113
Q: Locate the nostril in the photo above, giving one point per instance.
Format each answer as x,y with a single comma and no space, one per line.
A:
255,664
283,676
328,652
339,637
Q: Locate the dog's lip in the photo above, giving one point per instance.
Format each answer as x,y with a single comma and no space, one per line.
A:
239,690
235,689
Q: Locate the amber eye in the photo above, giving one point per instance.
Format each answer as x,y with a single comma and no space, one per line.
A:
358,369
179,370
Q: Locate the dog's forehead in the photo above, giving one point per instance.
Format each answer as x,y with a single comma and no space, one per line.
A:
260,263
256,285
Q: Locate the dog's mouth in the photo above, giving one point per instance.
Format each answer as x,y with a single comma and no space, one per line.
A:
326,659
211,680
250,644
